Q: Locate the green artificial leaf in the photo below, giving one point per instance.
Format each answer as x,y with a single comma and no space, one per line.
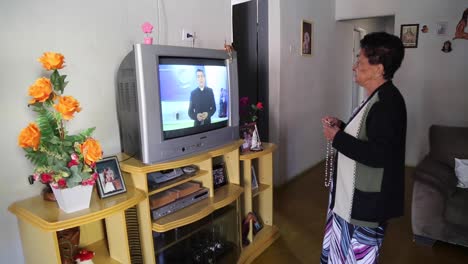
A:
37,158
55,80
88,132
62,82
67,143
75,175
55,140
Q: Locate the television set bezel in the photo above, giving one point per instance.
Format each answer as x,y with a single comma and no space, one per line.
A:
152,147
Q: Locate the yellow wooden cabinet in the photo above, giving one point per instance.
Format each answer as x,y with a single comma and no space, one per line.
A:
259,200
103,227
136,173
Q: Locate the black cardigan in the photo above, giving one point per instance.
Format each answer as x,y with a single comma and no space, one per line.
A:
385,148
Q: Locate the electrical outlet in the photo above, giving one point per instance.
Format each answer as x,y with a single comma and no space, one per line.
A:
187,34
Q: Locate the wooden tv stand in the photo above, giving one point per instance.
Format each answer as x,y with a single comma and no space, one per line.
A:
105,228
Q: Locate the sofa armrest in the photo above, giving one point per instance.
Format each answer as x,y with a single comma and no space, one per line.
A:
436,174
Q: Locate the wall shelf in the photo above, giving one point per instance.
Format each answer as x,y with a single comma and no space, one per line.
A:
261,188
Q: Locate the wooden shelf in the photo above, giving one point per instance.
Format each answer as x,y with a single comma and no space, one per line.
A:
261,241
101,253
222,197
267,148
49,217
176,182
261,188
135,166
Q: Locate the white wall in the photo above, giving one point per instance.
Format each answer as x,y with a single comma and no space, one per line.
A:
94,36
307,85
433,83
349,9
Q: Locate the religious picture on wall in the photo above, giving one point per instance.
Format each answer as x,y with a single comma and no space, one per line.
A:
409,35
306,38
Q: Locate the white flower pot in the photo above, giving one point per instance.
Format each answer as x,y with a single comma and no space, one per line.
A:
73,199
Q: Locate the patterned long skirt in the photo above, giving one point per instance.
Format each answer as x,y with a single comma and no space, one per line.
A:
345,243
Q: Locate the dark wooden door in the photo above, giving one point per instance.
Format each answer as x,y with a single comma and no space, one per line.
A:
250,36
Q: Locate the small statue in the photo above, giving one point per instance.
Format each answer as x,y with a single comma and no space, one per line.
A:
229,49
256,144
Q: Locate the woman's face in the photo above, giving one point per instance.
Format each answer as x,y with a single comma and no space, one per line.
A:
364,72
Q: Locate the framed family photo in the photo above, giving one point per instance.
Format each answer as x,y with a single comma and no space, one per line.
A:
306,38
110,180
246,134
219,175
409,34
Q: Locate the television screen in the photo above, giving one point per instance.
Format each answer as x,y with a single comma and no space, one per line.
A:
194,95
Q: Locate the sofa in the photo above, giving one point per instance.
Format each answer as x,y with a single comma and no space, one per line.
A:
439,210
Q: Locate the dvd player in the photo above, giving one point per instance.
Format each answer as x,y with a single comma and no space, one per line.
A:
180,203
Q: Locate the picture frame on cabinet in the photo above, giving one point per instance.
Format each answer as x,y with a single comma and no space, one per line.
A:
110,180
219,175
254,179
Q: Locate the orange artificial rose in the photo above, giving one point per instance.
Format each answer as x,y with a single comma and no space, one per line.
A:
30,137
40,90
67,106
52,60
91,150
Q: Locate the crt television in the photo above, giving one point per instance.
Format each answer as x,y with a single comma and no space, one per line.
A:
162,111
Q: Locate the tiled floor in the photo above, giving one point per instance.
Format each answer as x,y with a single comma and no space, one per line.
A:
300,208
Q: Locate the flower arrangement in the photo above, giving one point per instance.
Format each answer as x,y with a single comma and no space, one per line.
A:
147,29
249,112
60,159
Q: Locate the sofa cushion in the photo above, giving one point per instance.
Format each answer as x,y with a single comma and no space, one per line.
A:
447,143
461,171
456,210
436,174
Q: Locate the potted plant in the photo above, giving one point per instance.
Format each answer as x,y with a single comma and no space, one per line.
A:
63,161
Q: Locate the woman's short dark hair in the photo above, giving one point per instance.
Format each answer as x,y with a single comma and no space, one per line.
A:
386,49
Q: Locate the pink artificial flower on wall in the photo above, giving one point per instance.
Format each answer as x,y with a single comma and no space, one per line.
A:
147,27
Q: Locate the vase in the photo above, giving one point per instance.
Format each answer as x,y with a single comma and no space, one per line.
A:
148,40
73,199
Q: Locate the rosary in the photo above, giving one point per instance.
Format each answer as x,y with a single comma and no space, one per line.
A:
329,163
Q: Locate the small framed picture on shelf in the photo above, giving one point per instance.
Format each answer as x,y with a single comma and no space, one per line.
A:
219,175
246,134
110,180
254,179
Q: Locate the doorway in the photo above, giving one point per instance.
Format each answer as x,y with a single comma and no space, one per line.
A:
250,40
360,28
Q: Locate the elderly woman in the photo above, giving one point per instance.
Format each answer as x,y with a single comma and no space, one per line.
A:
367,174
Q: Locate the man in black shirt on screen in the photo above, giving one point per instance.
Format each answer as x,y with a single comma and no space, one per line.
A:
202,102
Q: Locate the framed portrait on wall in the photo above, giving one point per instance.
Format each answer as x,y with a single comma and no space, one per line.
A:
306,38
409,34
110,179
